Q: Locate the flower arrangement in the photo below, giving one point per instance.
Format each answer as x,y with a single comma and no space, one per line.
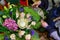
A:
18,23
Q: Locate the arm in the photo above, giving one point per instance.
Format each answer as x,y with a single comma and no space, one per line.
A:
41,4
53,33
36,3
56,19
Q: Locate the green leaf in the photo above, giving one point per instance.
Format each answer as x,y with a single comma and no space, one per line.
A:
35,36
1,36
14,13
3,29
1,13
18,38
38,24
13,1
1,21
6,10
32,12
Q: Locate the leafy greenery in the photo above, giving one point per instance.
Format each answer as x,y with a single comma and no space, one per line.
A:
35,36
13,1
35,15
1,36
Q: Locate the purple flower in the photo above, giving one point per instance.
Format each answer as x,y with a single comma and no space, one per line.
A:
21,9
6,38
10,24
32,32
10,12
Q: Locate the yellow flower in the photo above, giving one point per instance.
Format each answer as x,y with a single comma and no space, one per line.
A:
5,8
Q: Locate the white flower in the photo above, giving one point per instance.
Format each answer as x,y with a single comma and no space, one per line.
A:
29,19
28,15
22,23
33,23
28,27
28,37
17,14
21,33
13,36
22,15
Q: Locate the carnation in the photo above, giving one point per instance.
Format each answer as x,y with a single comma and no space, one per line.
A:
10,24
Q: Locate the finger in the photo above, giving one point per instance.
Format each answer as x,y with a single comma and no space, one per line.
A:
34,4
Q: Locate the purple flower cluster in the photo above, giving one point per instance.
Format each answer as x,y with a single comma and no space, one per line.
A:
32,32
21,9
10,24
6,38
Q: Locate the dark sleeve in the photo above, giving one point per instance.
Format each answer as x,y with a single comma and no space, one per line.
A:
50,29
30,2
44,4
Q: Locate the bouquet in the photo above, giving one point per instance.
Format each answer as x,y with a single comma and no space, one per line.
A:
19,23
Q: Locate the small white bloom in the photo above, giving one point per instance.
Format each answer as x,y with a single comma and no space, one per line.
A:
22,15
33,23
28,27
29,19
17,14
28,15
12,36
28,37
21,33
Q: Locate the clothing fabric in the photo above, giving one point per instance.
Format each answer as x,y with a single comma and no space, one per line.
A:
55,35
44,4
53,13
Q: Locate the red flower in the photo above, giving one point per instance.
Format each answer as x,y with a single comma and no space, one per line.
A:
24,2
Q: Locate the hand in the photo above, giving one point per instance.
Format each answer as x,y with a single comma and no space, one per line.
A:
44,24
56,19
36,4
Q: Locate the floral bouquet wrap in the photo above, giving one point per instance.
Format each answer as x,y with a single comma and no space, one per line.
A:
19,23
